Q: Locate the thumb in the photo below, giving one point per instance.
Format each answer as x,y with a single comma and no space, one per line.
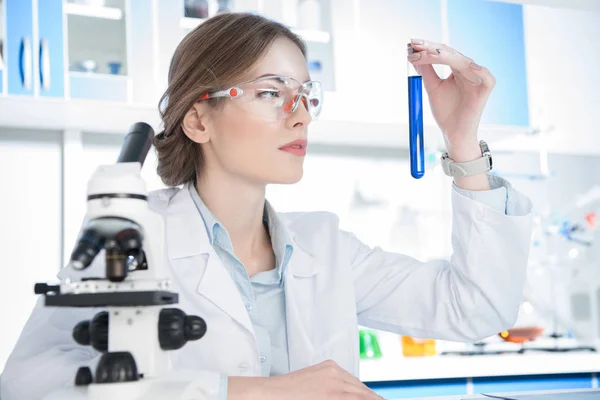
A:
431,80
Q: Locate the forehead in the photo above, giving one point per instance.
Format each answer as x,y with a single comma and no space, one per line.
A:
282,58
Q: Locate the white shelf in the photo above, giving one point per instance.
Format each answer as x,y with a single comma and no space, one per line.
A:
92,11
190,23
96,75
116,118
87,115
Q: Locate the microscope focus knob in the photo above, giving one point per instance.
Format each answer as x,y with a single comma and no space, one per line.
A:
116,367
195,327
81,333
99,331
175,328
83,377
94,332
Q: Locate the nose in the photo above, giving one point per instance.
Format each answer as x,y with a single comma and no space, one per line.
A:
299,112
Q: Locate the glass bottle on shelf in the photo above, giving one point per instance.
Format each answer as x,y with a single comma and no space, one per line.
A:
223,6
197,9
413,347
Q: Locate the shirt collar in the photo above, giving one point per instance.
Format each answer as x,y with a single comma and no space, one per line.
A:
280,237
211,222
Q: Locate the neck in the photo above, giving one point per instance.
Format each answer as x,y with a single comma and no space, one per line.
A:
239,207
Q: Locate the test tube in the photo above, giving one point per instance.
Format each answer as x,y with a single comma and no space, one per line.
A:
415,120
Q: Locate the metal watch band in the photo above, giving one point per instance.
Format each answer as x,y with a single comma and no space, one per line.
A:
475,167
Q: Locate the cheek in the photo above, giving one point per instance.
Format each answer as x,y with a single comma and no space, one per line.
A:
245,140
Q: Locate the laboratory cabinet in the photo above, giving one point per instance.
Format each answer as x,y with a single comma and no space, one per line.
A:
2,45
492,34
30,215
119,51
110,50
77,49
33,47
310,19
371,56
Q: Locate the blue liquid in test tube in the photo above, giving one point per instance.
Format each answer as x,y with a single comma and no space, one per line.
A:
415,121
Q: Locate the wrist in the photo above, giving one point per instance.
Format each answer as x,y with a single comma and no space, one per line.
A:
463,151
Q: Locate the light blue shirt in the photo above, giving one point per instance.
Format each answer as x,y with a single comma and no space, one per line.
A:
263,294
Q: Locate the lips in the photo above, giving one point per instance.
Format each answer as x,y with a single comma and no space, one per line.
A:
297,147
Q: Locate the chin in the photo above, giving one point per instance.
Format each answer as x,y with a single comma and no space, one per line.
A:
286,177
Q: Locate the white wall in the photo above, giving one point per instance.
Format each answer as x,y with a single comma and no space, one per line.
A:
397,213
30,225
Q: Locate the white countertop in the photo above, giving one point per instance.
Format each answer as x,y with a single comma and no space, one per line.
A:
393,366
562,394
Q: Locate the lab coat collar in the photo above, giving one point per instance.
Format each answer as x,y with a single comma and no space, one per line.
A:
200,270
196,265
186,232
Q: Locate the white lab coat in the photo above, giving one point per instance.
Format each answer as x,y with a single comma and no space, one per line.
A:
333,283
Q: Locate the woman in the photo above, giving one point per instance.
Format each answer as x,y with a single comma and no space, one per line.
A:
282,294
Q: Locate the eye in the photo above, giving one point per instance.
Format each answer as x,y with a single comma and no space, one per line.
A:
267,93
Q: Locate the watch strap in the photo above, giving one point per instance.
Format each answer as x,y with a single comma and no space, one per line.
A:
469,168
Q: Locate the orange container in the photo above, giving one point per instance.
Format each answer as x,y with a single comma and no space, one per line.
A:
412,347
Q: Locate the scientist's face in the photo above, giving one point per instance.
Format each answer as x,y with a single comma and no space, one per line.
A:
260,132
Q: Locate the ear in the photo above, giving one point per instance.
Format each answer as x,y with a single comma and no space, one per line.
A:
195,123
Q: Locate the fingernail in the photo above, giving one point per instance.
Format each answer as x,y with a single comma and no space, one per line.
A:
475,66
414,56
417,41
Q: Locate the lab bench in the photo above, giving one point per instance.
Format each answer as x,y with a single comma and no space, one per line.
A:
574,394
414,377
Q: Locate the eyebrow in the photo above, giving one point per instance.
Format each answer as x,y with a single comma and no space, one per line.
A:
274,75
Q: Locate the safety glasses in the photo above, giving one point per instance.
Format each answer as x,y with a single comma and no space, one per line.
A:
274,97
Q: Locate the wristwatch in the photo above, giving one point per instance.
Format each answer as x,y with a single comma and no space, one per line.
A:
479,166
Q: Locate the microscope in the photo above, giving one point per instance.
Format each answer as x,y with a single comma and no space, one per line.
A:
139,326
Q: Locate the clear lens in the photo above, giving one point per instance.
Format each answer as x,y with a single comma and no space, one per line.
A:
276,97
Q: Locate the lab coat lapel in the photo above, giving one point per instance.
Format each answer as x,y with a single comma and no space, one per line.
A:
196,266
299,300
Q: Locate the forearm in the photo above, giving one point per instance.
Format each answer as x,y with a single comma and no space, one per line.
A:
464,152
246,388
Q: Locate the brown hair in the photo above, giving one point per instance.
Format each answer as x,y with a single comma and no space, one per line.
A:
215,54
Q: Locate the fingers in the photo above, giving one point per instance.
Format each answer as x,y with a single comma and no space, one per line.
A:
428,53
352,385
